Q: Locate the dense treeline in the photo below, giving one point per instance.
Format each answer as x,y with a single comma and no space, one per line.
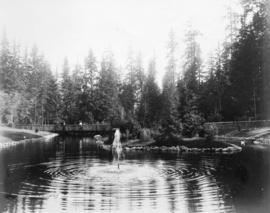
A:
234,86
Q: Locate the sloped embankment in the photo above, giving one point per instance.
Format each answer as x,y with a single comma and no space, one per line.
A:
12,136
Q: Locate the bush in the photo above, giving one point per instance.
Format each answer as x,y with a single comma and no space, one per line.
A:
210,131
170,130
168,139
193,124
215,117
145,134
129,128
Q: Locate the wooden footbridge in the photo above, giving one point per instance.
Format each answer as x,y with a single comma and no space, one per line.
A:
73,129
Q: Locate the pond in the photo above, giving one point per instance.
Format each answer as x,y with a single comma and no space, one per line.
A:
73,175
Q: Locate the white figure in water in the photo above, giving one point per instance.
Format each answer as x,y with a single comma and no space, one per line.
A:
117,146
99,140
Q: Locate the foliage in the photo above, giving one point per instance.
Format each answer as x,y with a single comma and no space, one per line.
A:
237,85
170,122
193,124
108,107
150,104
210,131
131,89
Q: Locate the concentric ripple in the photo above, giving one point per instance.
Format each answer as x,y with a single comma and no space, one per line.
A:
77,177
95,184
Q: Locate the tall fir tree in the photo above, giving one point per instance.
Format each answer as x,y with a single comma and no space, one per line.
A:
170,119
150,103
108,107
128,88
69,112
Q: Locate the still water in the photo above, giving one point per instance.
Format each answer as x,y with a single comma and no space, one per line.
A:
73,175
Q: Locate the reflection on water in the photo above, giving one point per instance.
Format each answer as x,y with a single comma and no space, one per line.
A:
72,174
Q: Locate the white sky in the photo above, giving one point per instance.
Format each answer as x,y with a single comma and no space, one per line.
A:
68,28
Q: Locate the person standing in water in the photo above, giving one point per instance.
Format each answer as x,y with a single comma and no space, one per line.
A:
117,146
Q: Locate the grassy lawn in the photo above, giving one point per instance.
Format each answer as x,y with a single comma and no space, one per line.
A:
17,136
8,134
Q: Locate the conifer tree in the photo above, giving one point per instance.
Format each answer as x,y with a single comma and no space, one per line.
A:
128,88
108,107
170,119
68,105
150,103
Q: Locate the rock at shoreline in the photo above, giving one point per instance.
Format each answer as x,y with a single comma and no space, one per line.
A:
230,149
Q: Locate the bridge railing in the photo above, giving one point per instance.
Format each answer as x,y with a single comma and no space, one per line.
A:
68,127
230,126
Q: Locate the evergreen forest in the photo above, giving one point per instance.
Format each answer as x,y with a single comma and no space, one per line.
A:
232,85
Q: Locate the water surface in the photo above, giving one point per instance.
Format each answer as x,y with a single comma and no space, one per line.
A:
73,175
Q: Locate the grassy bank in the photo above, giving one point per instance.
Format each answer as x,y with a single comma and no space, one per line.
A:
17,136
12,135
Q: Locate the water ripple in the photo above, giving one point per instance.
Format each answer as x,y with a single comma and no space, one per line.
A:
96,184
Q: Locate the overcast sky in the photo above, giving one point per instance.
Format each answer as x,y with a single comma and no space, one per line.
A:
68,28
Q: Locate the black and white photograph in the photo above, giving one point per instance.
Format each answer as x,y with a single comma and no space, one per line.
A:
127,106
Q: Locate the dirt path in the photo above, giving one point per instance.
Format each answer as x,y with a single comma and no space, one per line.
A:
251,133
249,136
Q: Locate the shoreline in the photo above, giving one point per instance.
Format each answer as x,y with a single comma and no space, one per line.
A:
231,149
12,136
186,145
